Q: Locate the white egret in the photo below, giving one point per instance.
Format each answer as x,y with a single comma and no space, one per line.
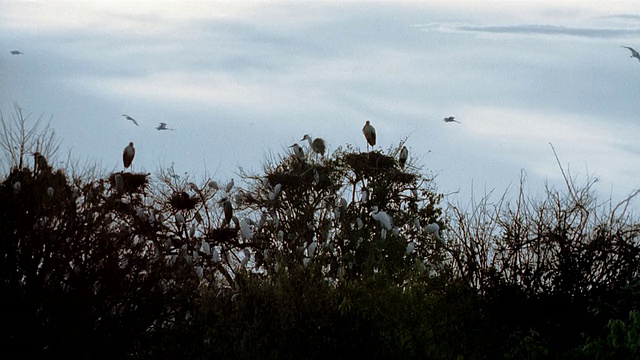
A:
317,145
128,154
245,229
450,119
17,186
162,126
215,256
179,219
370,134
199,272
130,119
206,248
229,186
119,183
297,151
383,218
50,191
228,210
434,229
634,53
404,155
16,52
312,248
410,247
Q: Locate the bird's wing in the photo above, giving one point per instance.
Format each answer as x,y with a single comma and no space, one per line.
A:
134,121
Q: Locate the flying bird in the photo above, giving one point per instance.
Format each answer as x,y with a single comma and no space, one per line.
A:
128,154
130,119
450,119
369,133
162,126
404,155
317,144
634,53
16,52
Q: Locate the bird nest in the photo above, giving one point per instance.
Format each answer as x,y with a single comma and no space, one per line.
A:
182,201
375,163
133,183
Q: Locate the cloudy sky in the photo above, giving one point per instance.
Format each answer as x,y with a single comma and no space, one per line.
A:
241,81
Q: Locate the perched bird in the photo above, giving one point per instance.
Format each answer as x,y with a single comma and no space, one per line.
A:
16,52
130,119
228,210
369,133
297,151
634,53
450,119
229,186
317,144
404,155
128,154
162,126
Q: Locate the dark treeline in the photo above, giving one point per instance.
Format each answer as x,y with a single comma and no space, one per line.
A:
348,256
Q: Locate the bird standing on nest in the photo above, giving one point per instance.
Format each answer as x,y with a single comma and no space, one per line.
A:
128,154
370,134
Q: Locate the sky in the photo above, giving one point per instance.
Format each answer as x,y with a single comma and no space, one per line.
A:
240,81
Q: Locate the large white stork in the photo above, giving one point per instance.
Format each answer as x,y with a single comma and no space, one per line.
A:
128,154
370,134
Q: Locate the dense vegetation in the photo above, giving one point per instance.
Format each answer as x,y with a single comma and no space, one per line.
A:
343,257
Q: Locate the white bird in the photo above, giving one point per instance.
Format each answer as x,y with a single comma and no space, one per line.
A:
229,186
199,272
317,144
434,229
16,52
215,256
162,126
179,219
119,183
17,186
312,248
369,133
410,247
228,210
297,151
245,229
50,191
634,53
206,248
130,119
383,218
404,155
450,119
359,223
128,154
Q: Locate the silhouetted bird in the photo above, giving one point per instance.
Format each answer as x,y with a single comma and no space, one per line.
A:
634,53
404,155
16,52
450,119
128,154
369,133
131,119
162,126
317,144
